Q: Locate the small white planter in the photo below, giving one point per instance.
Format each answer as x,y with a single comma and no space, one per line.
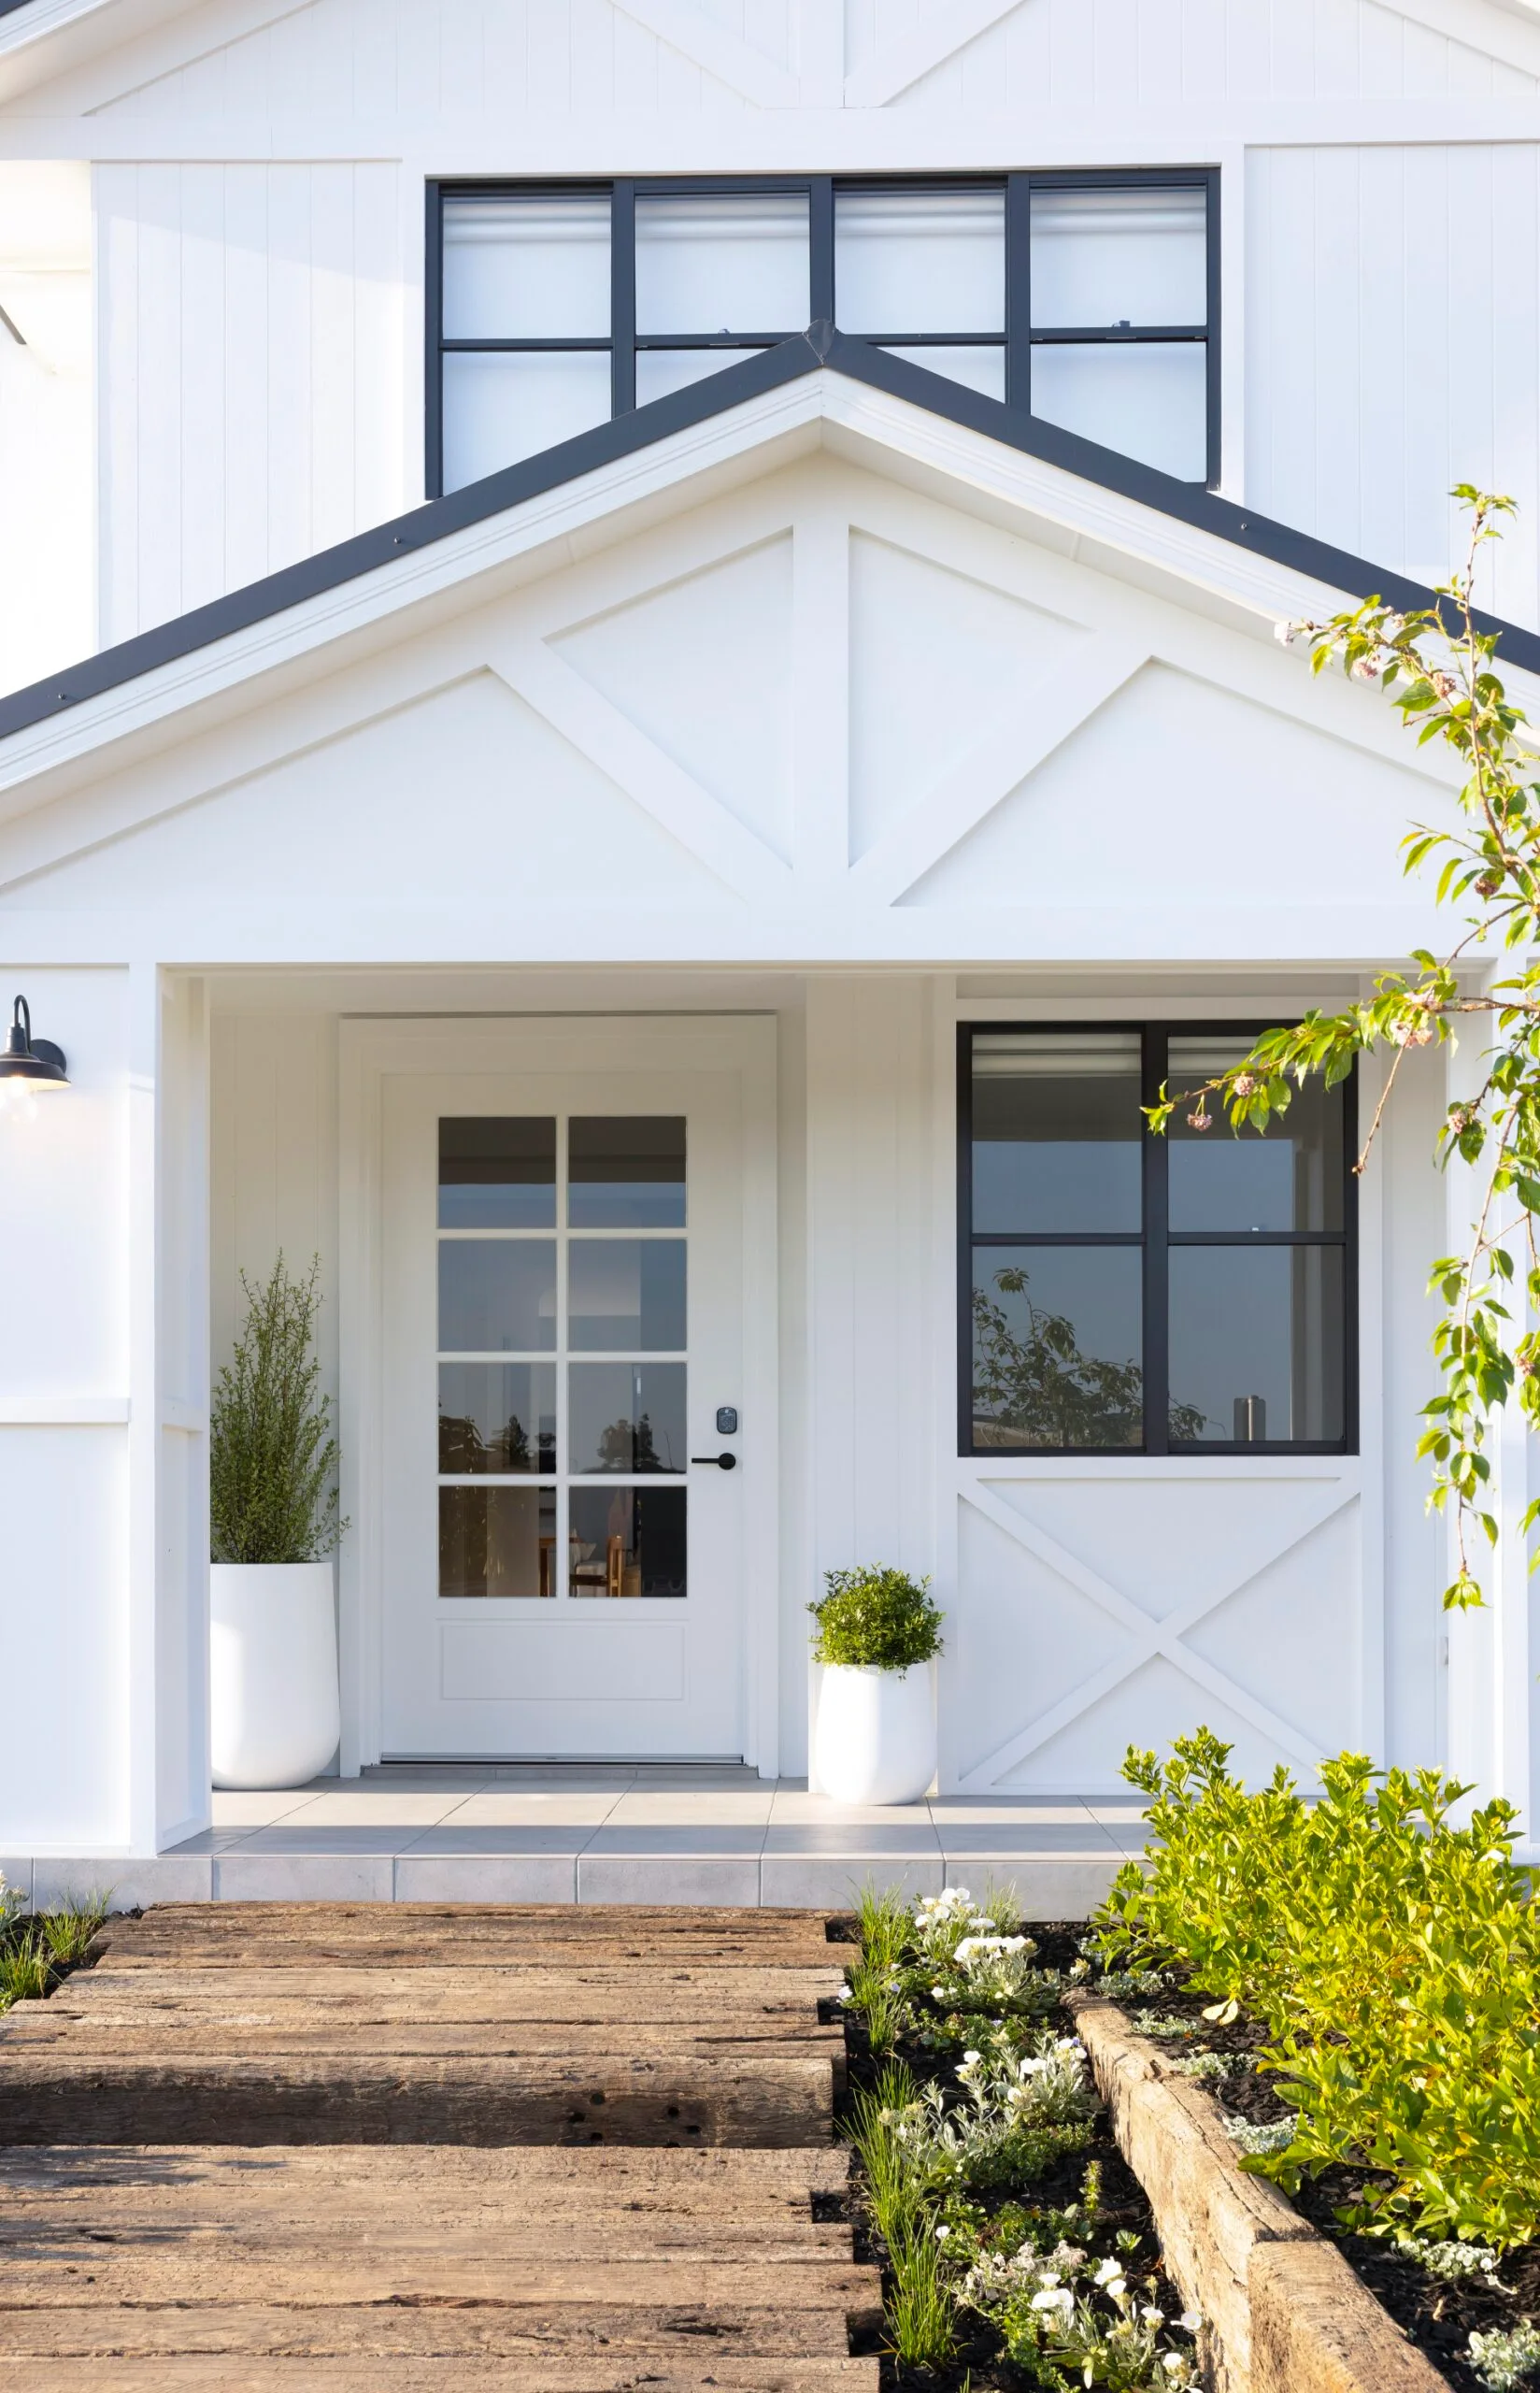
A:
276,1714
875,1734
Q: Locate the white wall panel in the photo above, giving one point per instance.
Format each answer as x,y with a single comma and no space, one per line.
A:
252,379
1392,349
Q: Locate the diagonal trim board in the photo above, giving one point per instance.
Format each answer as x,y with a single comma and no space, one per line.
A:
1021,740
1150,1638
719,52
948,29
637,765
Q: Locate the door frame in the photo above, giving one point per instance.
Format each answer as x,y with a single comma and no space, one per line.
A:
370,1049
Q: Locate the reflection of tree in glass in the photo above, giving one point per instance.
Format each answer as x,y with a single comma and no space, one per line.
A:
461,1447
625,1446
1033,1386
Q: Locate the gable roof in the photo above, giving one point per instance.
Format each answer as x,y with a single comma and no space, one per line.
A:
820,348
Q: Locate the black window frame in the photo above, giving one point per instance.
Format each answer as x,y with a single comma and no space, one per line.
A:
1019,339
1155,1241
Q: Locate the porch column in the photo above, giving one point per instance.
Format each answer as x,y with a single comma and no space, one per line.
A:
102,1425
870,1431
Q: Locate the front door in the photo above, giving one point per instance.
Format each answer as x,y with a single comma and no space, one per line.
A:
566,1438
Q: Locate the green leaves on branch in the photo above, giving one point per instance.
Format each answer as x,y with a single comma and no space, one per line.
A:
876,1619
1438,671
273,1460
1393,1958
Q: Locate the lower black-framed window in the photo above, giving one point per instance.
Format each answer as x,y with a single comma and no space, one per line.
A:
1194,1293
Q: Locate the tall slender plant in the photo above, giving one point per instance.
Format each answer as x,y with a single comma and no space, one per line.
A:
1436,665
273,1462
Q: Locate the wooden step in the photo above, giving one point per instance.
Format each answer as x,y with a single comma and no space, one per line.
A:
413,1935
600,2372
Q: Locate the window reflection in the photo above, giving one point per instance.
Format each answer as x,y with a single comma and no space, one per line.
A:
626,1172
496,1172
1056,1131
1058,1346
496,1418
627,1416
498,1541
626,1293
496,1295
1290,1178
1257,1343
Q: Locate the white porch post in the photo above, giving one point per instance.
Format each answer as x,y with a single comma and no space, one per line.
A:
1491,1651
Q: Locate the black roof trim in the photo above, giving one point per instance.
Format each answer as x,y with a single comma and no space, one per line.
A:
767,370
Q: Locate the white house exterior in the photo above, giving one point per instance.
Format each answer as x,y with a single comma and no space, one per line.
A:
691,840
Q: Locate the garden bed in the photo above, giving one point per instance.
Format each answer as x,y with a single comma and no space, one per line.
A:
39,1950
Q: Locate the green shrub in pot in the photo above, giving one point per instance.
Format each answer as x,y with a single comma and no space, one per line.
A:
877,1633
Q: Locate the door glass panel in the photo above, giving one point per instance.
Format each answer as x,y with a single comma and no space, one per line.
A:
501,404
626,1295
626,1173
497,1173
1056,1132
496,1417
527,268
1289,1176
498,1541
1058,1346
1147,399
627,1542
1105,258
919,260
981,369
496,1295
722,262
1257,1343
627,1417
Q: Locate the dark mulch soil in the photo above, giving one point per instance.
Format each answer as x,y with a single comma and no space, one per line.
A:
1437,2314
980,2366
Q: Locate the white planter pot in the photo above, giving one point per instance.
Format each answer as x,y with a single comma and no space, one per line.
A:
276,1714
875,1734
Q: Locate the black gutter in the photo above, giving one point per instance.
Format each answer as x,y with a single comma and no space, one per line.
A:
624,436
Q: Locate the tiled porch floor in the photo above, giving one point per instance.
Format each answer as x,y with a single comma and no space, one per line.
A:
648,1833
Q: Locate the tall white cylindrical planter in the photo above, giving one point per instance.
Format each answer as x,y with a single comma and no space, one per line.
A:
275,1711
875,1734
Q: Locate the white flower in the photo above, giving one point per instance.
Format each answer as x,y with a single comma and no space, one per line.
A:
844,1995
1190,2321
1175,2364
1061,2298
942,2234
1154,2317
1106,2270
971,2059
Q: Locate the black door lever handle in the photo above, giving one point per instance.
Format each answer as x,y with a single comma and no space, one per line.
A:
721,1462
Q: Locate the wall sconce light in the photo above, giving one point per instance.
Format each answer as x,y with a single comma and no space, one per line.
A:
28,1066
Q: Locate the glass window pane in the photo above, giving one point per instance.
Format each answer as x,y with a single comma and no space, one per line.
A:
718,263
498,1541
1288,1177
626,1295
982,369
526,269
1058,1346
496,1172
502,404
919,260
496,1295
627,1416
1257,1343
1120,257
1147,399
662,370
627,1541
1057,1131
626,1172
496,1417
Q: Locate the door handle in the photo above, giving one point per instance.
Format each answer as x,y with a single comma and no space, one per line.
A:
718,1462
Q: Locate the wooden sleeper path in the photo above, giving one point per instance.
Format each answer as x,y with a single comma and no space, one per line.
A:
403,2146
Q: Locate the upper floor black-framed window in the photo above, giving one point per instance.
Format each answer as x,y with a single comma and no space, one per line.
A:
1191,1294
1090,300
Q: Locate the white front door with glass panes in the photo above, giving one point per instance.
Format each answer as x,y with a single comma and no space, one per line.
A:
563,1360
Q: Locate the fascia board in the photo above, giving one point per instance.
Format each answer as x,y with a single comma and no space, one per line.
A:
456,552
41,39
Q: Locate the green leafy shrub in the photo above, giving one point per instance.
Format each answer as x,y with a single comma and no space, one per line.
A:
1393,1958
876,1619
273,1460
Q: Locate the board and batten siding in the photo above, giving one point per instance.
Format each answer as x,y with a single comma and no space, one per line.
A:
1392,349
250,370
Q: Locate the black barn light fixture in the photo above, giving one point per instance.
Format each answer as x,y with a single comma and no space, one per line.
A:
29,1065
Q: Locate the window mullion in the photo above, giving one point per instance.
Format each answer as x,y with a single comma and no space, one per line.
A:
622,298
820,242
1156,1153
1019,292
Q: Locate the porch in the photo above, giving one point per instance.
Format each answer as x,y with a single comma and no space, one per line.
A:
613,1832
